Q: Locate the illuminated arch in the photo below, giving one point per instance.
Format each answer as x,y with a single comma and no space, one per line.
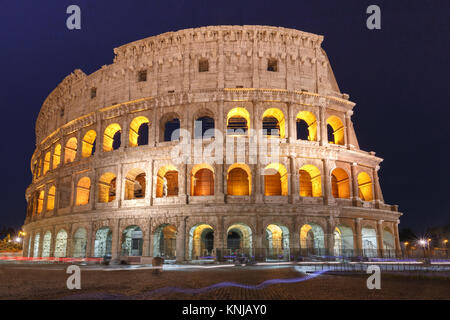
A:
336,128
311,122
88,144
112,137
388,243
46,162
365,186
201,241
170,173
137,136
277,242
56,156
46,244
40,202
36,245
312,239
83,191
107,187
238,121
239,239
135,184
51,198
164,243
369,242
310,181
61,244
239,180
267,118
132,241
79,243
70,151
343,241
202,180
275,180
103,242
340,184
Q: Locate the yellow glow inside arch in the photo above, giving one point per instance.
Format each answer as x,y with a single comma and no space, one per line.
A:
277,114
134,129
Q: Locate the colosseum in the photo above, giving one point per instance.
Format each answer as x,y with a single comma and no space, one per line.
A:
122,169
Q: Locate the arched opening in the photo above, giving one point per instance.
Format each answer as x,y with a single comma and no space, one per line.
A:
61,244
312,239
369,242
167,182
335,130
164,243
37,238
306,126
139,131
46,162
46,244
83,191
204,128
51,198
310,181
239,180
343,241
340,184
202,180
88,144
365,186
275,180
107,187
170,127
70,151
79,243
40,202
388,243
201,242
239,240
277,242
56,156
112,137
132,241
273,123
135,184
103,242
238,121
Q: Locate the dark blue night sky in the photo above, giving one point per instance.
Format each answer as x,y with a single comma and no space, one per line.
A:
398,76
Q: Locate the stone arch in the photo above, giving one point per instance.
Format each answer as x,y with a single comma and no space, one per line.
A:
135,184
240,239
388,243
275,180
308,120
139,131
343,241
170,174
40,201
340,183
112,137
310,181
201,241
132,241
369,241
37,238
277,242
51,198
203,124
335,129
46,244
273,119
61,244
46,162
107,187
169,127
80,243
164,241
70,150
202,180
365,186
103,242
56,156
312,239
83,191
239,180
238,121
88,144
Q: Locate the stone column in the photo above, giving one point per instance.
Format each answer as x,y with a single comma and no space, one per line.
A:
323,126
79,146
124,134
326,182
260,233
120,185
219,235
295,236
398,248
69,242
347,124
358,237
147,240
293,188
52,242
380,238
220,63
180,241
90,240
354,185
116,248
99,137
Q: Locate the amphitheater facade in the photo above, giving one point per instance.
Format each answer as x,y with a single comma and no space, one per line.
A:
107,179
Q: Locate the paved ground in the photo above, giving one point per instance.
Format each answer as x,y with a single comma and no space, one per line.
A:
49,282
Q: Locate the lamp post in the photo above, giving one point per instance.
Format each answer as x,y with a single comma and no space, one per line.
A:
445,246
423,243
406,248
